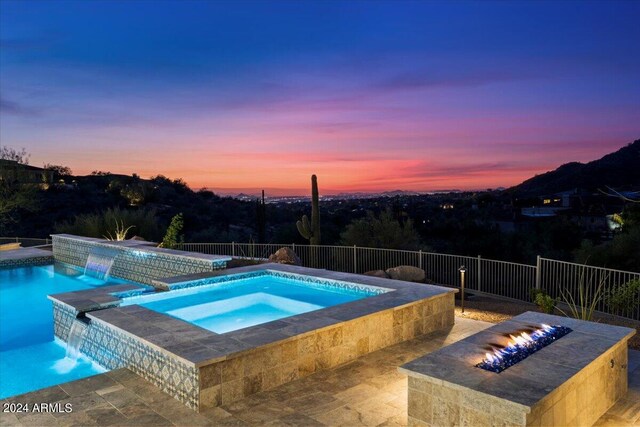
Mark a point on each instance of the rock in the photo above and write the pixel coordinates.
(377, 273)
(285, 256)
(406, 273)
(138, 238)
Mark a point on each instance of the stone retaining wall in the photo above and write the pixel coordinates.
(267, 367)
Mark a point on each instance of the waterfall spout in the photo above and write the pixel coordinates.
(100, 262)
(75, 339)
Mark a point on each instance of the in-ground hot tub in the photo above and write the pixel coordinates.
(250, 299)
(170, 338)
(574, 378)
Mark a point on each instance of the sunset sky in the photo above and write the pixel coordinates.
(367, 95)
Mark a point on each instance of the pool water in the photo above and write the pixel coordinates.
(30, 357)
(229, 306)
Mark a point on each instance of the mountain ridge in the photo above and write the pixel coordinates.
(618, 169)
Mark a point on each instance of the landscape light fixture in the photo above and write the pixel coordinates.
(462, 270)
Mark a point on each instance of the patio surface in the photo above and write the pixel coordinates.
(366, 392)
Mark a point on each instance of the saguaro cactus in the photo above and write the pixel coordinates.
(311, 230)
(261, 219)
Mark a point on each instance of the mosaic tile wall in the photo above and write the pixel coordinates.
(228, 280)
(114, 349)
(309, 281)
(270, 366)
(63, 317)
(133, 264)
(320, 283)
(26, 262)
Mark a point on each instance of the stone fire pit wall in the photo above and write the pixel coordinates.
(573, 381)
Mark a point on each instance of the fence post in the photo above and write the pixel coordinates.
(420, 259)
(293, 247)
(355, 259)
(538, 272)
(233, 248)
(479, 273)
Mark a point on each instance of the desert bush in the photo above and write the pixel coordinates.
(543, 300)
(624, 298)
(383, 231)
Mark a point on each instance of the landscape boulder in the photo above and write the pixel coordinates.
(407, 273)
(377, 273)
(285, 256)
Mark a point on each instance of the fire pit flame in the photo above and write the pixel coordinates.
(522, 346)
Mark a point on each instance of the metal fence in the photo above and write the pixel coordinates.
(25, 241)
(502, 278)
(558, 277)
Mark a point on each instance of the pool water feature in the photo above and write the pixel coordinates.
(244, 302)
(74, 341)
(30, 358)
(100, 262)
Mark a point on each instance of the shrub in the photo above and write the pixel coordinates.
(546, 303)
(543, 300)
(173, 237)
(623, 298)
(383, 231)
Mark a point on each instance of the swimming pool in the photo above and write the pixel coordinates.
(239, 302)
(30, 357)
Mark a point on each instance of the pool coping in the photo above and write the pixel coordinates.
(25, 257)
(198, 347)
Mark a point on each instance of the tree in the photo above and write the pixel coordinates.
(383, 231)
(137, 192)
(21, 156)
(15, 198)
(623, 251)
(58, 170)
(174, 236)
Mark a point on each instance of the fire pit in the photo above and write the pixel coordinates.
(535, 369)
(522, 346)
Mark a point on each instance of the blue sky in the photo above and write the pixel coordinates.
(368, 95)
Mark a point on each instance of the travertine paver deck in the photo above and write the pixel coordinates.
(367, 392)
